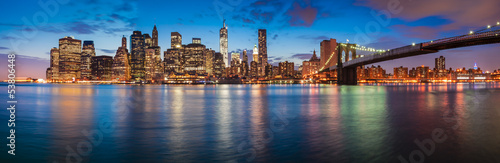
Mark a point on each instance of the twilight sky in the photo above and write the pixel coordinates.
(295, 27)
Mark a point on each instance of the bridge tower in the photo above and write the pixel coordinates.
(346, 75)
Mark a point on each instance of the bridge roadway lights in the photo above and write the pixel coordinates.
(347, 76)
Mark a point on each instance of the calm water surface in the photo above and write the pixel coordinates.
(256, 123)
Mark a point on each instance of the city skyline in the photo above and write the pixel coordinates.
(301, 35)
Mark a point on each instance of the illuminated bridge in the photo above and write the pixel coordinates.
(346, 69)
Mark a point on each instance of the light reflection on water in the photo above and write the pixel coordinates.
(265, 123)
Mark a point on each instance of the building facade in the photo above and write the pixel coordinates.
(88, 51)
(102, 68)
(262, 51)
(70, 51)
(223, 44)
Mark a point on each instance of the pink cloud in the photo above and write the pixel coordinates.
(462, 13)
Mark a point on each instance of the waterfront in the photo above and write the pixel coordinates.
(264, 123)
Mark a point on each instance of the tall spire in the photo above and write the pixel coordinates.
(124, 42)
(155, 35)
(224, 23)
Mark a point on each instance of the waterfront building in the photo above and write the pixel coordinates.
(422, 72)
(311, 66)
(328, 54)
(121, 63)
(88, 51)
(193, 58)
(102, 68)
(70, 51)
(286, 69)
(400, 72)
(137, 56)
(52, 73)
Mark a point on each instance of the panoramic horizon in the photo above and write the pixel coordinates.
(294, 28)
(401, 81)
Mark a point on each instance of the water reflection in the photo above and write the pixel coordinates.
(258, 123)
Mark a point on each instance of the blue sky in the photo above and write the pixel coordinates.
(295, 27)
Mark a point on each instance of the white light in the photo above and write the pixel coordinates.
(489, 26)
(413, 44)
(498, 23)
(471, 32)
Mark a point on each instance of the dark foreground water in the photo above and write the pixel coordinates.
(256, 123)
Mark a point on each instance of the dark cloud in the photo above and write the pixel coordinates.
(301, 56)
(281, 13)
(422, 32)
(462, 13)
(315, 39)
(10, 25)
(302, 16)
(3, 48)
(275, 36)
(108, 51)
(81, 28)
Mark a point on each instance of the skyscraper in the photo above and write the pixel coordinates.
(244, 64)
(175, 40)
(121, 63)
(223, 44)
(262, 51)
(70, 50)
(148, 41)
(193, 58)
(88, 51)
(137, 55)
(235, 59)
(440, 63)
(328, 54)
(440, 68)
(102, 68)
(155, 36)
(53, 71)
(255, 55)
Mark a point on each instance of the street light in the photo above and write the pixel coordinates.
(471, 32)
(489, 26)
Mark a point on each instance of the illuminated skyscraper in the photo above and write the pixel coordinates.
(155, 36)
(193, 58)
(440, 63)
(235, 59)
(175, 40)
(88, 51)
(121, 63)
(148, 41)
(244, 64)
(328, 54)
(53, 71)
(70, 51)
(137, 56)
(102, 68)
(263, 51)
(223, 47)
(440, 67)
(255, 54)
